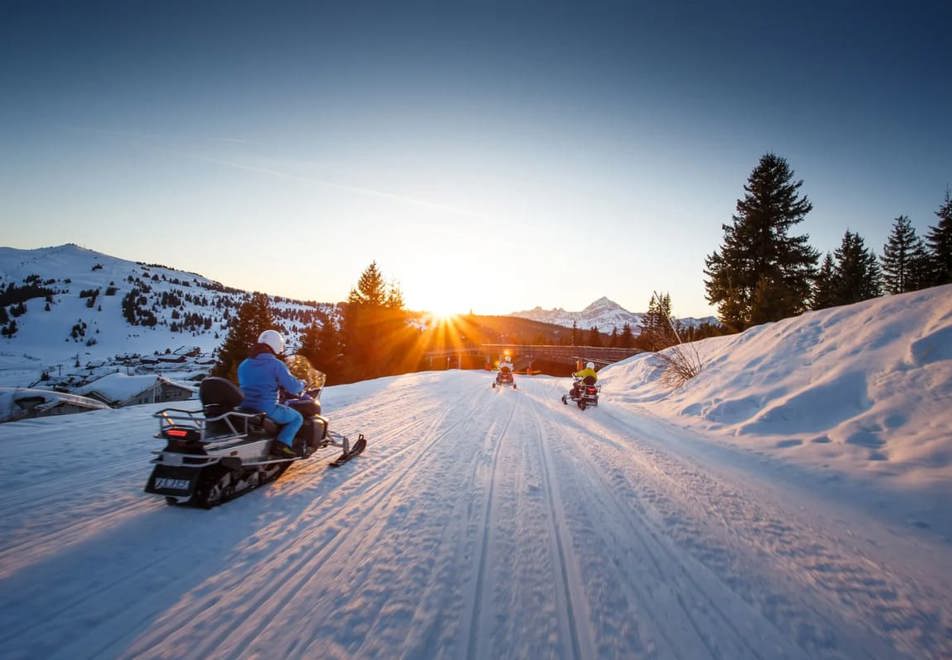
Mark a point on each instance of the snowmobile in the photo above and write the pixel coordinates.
(221, 451)
(584, 392)
(504, 377)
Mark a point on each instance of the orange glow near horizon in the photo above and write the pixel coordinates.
(439, 316)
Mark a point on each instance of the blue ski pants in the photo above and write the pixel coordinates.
(290, 421)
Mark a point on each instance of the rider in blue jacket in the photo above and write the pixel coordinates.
(259, 378)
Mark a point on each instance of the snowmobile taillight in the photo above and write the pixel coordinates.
(178, 436)
(590, 390)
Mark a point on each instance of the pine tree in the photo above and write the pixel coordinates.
(823, 286)
(311, 343)
(613, 338)
(594, 338)
(370, 288)
(394, 297)
(897, 258)
(939, 242)
(857, 272)
(254, 317)
(627, 339)
(761, 273)
(920, 267)
(576, 334)
(376, 339)
(656, 326)
(328, 359)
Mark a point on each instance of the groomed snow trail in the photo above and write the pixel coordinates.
(479, 523)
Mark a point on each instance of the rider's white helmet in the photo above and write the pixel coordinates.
(273, 340)
(589, 365)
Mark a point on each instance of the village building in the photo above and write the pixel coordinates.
(119, 390)
(23, 402)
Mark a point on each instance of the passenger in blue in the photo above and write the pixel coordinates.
(259, 377)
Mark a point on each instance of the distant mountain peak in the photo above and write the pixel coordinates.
(603, 313)
(603, 303)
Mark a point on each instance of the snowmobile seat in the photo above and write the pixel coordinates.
(218, 396)
(589, 380)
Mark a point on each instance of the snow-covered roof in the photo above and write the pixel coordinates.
(117, 387)
(10, 395)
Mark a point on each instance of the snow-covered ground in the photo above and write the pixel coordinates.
(478, 523)
(853, 394)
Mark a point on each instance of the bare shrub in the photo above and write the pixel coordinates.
(681, 361)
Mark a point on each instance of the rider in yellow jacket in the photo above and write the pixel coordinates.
(589, 370)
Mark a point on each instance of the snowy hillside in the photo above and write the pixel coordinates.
(479, 523)
(603, 313)
(863, 388)
(71, 304)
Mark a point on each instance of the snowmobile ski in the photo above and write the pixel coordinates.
(358, 447)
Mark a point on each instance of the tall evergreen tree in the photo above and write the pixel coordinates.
(761, 272)
(939, 242)
(627, 339)
(920, 267)
(311, 344)
(576, 334)
(370, 288)
(254, 317)
(375, 336)
(613, 338)
(657, 327)
(857, 271)
(328, 357)
(824, 286)
(594, 338)
(898, 257)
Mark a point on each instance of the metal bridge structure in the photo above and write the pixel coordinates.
(523, 355)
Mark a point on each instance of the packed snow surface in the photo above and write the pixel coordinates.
(479, 523)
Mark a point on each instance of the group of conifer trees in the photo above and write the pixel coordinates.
(623, 339)
(369, 337)
(763, 272)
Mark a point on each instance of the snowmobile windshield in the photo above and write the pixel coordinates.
(300, 367)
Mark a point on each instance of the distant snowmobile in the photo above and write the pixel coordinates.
(504, 376)
(219, 452)
(584, 392)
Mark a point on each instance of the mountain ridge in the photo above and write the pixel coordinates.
(603, 313)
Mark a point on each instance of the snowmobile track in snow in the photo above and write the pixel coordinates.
(477, 606)
(302, 571)
(473, 526)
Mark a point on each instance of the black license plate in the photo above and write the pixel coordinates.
(169, 480)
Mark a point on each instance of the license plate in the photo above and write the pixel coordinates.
(166, 480)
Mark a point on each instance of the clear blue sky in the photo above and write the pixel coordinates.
(490, 156)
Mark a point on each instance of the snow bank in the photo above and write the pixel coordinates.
(860, 387)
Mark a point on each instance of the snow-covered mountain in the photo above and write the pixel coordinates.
(604, 313)
(68, 303)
